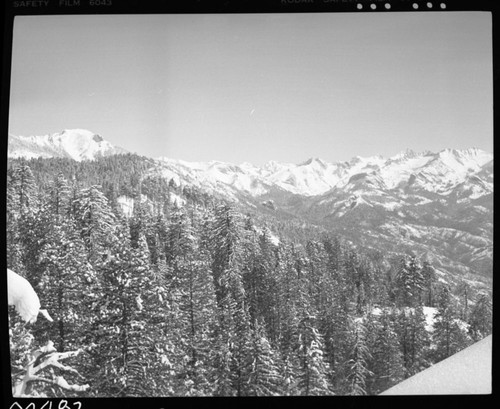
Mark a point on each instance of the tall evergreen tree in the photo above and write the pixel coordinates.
(22, 190)
(358, 364)
(386, 364)
(233, 334)
(95, 220)
(429, 277)
(449, 336)
(409, 282)
(264, 374)
(480, 319)
(417, 358)
(125, 351)
(192, 282)
(66, 284)
(312, 369)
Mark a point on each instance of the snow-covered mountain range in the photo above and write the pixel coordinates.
(433, 172)
(77, 144)
(437, 205)
(468, 170)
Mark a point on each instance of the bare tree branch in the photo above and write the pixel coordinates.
(51, 360)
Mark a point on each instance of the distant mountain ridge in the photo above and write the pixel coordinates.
(439, 172)
(77, 144)
(434, 172)
(438, 206)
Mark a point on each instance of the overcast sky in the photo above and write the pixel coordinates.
(254, 87)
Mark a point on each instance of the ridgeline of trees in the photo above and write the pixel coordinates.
(203, 300)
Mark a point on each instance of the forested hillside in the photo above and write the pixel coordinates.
(190, 296)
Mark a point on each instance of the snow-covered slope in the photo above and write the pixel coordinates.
(466, 372)
(432, 172)
(77, 144)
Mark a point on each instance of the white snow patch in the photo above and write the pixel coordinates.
(391, 205)
(274, 239)
(466, 372)
(430, 315)
(176, 200)
(126, 205)
(22, 296)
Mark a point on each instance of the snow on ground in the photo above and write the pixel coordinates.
(481, 209)
(391, 205)
(423, 201)
(360, 200)
(126, 205)
(461, 324)
(430, 314)
(177, 200)
(272, 237)
(466, 372)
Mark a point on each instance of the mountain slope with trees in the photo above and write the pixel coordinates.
(190, 295)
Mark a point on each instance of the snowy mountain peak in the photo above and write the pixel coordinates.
(77, 144)
(273, 166)
(470, 154)
(405, 155)
(78, 132)
(433, 172)
(314, 162)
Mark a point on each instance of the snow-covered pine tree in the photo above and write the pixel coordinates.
(409, 282)
(449, 334)
(67, 284)
(253, 267)
(162, 306)
(358, 363)
(124, 349)
(139, 333)
(95, 221)
(480, 319)
(233, 329)
(312, 371)
(14, 247)
(417, 358)
(192, 282)
(264, 377)
(23, 189)
(387, 361)
(351, 268)
(263, 297)
(333, 316)
(429, 277)
(464, 292)
(317, 259)
(226, 251)
(59, 197)
(34, 229)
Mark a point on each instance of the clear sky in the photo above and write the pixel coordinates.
(255, 87)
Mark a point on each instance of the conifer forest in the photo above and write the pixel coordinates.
(200, 297)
